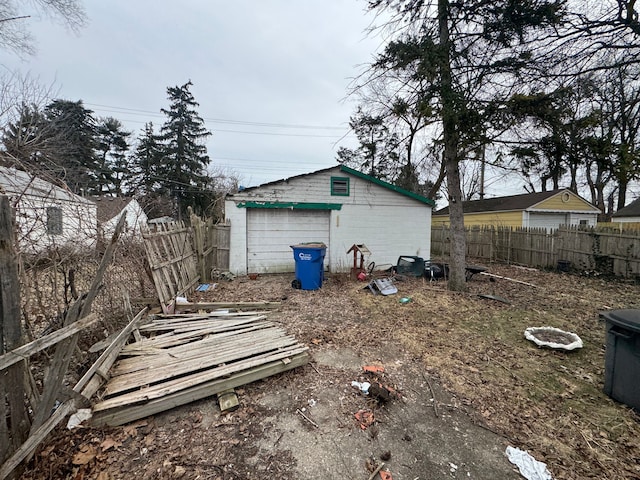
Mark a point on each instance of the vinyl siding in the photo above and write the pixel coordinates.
(496, 219)
(555, 203)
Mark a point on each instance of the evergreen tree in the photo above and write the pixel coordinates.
(182, 171)
(112, 144)
(71, 145)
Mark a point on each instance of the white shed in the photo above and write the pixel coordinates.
(47, 216)
(110, 209)
(338, 206)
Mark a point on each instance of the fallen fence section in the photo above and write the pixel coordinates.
(187, 357)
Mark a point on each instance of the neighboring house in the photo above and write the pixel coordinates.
(540, 210)
(338, 206)
(47, 216)
(628, 214)
(110, 209)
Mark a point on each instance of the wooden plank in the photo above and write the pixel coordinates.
(129, 413)
(162, 369)
(239, 305)
(108, 357)
(173, 386)
(25, 351)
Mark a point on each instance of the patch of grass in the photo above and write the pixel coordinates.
(545, 401)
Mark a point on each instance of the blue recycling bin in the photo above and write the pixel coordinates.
(309, 258)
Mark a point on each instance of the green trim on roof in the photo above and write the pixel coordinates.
(291, 205)
(384, 184)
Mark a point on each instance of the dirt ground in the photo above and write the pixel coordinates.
(466, 385)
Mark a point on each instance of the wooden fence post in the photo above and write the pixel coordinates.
(12, 383)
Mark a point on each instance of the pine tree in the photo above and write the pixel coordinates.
(183, 167)
(112, 143)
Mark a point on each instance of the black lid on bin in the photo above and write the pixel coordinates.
(628, 318)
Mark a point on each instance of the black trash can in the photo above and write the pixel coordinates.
(622, 357)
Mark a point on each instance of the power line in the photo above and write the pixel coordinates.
(135, 111)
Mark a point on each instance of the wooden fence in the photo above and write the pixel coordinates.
(180, 256)
(602, 251)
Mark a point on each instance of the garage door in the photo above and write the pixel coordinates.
(270, 232)
(550, 221)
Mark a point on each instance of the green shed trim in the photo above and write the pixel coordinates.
(384, 184)
(291, 205)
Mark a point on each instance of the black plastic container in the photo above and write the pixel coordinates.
(622, 357)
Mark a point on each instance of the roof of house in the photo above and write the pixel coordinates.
(110, 207)
(631, 210)
(18, 182)
(503, 204)
(358, 174)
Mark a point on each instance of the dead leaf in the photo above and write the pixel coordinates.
(103, 476)
(84, 456)
(109, 443)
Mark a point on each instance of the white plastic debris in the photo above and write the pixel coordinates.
(363, 387)
(532, 334)
(77, 418)
(181, 301)
(529, 467)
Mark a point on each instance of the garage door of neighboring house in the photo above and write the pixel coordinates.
(550, 221)
(271, 232)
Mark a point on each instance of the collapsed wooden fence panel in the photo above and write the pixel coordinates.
(603, 251)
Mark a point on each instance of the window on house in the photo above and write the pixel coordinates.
(340, 186)
(584, 222)
(54, 221)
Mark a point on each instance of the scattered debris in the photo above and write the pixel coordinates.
(228, 401)
(553, 338)
(376, 471)
(383, 286)
(365, 418)
(507, 278)
(373, 369)
(497, 298)
(301, 413)
(529, 467)
(82, 415)
(205, 287)
(362, 386)
(404, 300)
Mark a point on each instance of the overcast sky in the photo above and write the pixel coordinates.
(270, 76)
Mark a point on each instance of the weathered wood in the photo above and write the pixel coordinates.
(239, 305)
(173, 386)
(12, 387)
(129, 413)
(108, 357)
(25, 351)
(80, 309)
(167, 367)
(228, 400)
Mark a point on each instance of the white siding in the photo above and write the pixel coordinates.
(271, 232)
(389, 223)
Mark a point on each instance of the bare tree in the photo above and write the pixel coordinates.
(15, 16)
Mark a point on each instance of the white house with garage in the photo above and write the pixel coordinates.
(338, 206)
(47, 215)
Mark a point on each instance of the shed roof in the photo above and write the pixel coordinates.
(503, 204)
(17, 182)
(109, 207)
(358, 174)
(631, 210)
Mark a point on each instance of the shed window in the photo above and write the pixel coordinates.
(340, 186)
(584, 222)
(54, 220)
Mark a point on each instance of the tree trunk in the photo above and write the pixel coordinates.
(457, 261)
(11, 381)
